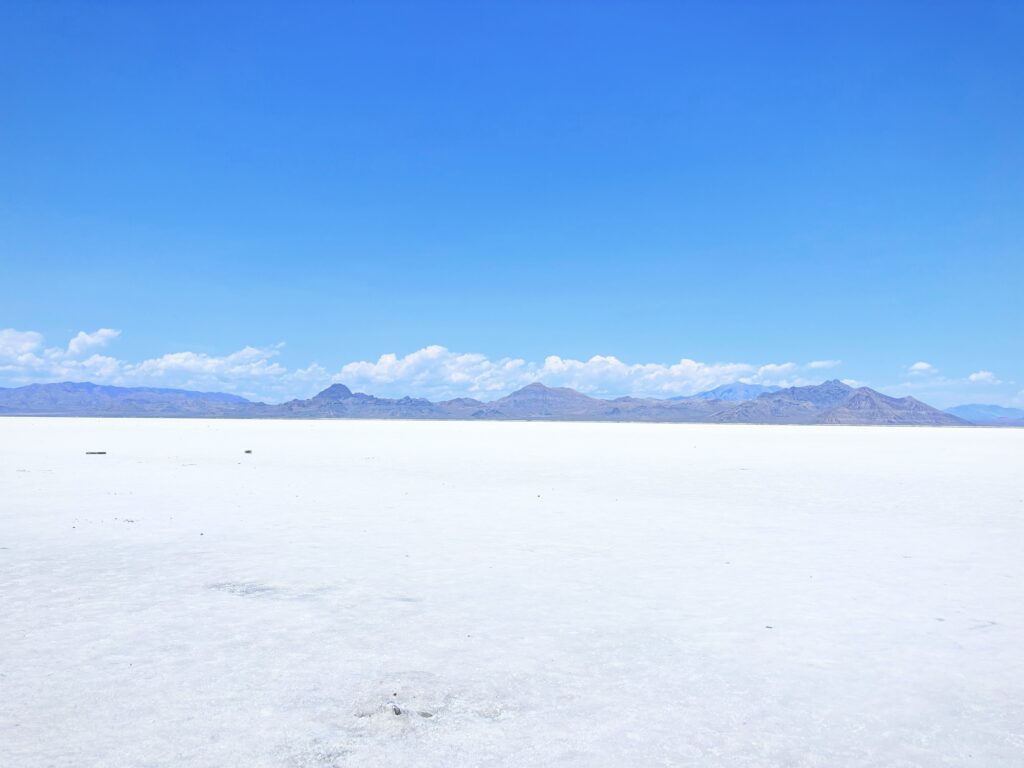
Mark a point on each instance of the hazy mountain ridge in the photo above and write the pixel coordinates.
(831, 402)
(738, 390)
(989, 415)
(87, 399)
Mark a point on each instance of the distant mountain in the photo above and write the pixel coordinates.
(795, 405)
(340, 402)
(335, 393)
(85, 399)
(735, 391)
(829, 403)
(866, 406)
(989, 415)
(834, 402)
(538, 401)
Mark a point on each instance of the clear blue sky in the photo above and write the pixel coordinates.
(723, 182)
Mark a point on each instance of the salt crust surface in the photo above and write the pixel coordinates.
(509, 594)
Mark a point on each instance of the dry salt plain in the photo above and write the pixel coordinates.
(509, 594)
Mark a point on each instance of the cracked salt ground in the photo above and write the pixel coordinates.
(400, 715)
(422, 695)
(242, 588)
(318, 754)
(255, 589)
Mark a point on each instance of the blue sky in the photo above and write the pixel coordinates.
(264, 198)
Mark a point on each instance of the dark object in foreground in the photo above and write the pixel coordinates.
(248, 451)
(95, 453)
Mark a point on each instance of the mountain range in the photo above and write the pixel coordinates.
(831, 402)
(85, 399)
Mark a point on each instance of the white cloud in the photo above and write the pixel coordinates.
(250, 370)
(23, 358)
(819, 364)
(245, 363)
(983, 377)
(14, 344)
(774, 373)
(438, 372)
(85, 341)
(434, 371)
(921, 368)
